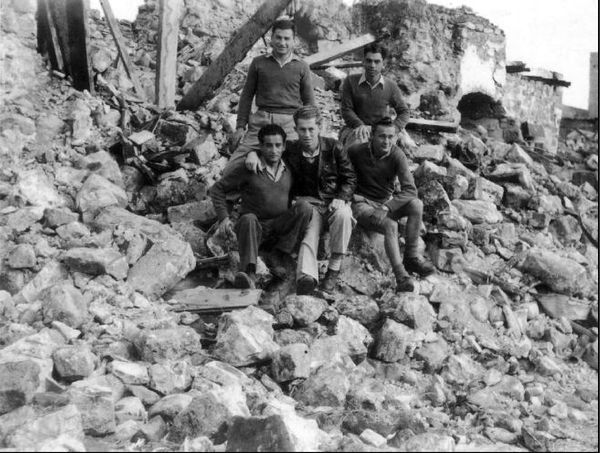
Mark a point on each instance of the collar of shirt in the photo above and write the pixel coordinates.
(286, 61)
(263, 168)
(363, 79)
(380, 157)
(314, 154)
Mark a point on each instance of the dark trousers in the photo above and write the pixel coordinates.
(283, 232)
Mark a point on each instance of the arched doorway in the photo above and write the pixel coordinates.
(480, 109)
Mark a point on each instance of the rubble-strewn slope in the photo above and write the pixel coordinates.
(103, 212)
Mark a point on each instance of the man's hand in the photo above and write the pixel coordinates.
(226, 227)
(362, 133)
(252, 161)
(236, 138)
(336, 203)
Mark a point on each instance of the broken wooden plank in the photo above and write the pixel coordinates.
(320, 58)
(113, 26)
(432, 125)
(166, 57)
(48, 37)
(203, 299)
(79, 40)
(58, 13)
(340, 65)
(234, 52)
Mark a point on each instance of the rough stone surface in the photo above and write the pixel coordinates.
(393, 341)
(291, 362)
(97, 261)
(96, 406)
(74, 362)
(259, 434)
(98, 192)
(411, 309)
(64, 303)
(168, 344)
(304, 309)
(170, 377)
(22, 256)
(18, 381)
(327, 386)
(478, 211)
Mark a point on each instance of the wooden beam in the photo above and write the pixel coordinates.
(166, 60)
(234, 52)
(342, 65)
(113, 25)
(432, 125)
(203, 299)
(58, 13)
(321, 58)
(47, 36)
(80, 64)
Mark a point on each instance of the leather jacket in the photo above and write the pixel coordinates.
(337, 178)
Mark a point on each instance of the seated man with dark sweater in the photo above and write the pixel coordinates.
(369, 97)
(265, 212)
(377, 164)
(323, 176)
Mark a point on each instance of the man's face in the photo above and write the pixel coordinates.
(308, 133)
(271, 149)
(383, 139)
(373, 64)
(282, 42)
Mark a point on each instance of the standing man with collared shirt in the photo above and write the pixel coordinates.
(377, 164)
(265, 212)
(324, 177)
(280, 83)
(368, 97)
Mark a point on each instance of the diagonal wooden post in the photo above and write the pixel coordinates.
(166, 68)
(234, 52)
(113, 25)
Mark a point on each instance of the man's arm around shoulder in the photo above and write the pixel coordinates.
(232, 180)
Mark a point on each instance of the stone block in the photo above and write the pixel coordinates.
(369, 245)
(170, 377)
(202, 212)
(354, 336)
(478, 211)
(433, 153)
(130, 372)
(37, 189)
(203, 149)
(74, 362)
(103, 164)
(56, 217)
(130, 408)
(19, 379)
(304, 309)
(360, 308)
(566, 230)
(97, 261)
(327, 386)
(433, 354)
(434, 198)
(456, 186)
(65, 303)
(259, 434)
(171, 405)
(428, 171)
(22, 257)
(561, 274)
(98, 192)
(291, 362)
(411, 309)
(393, 341)
(96, 406)
(168, 344)
(461, 369)
(452, 220)
(485, 190)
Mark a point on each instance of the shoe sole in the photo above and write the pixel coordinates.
(305, 287)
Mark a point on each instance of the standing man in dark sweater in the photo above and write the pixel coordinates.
(279, 83)
(265, 213)
(377, 164)
(324, 177)
(369, 97)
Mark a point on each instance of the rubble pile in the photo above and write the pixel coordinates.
(104, 216)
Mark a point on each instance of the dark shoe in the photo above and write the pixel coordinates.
(404, 284)
(419, 265)
(305, 285)
(243, 280)
(276, 261)
(330, 280)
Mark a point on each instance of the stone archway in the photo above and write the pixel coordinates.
(480, 109)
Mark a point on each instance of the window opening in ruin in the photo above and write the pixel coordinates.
(479, 109)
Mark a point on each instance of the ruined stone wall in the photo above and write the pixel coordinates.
(438, 54)
(536, 102)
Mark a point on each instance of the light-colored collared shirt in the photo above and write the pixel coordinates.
(314, 154)
(286, 61)
(274, 175)
(363, 79)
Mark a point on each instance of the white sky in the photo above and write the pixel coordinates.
(552, 34)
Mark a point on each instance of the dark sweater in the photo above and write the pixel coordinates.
(260, 194)
(277, 89)
(362, 105)
(376, 177)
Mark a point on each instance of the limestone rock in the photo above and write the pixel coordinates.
(393, 341)
(304, 309)
(291, 362)
(360, 308)
(103, 164)
(96, 406)
(130, 372)
(37, 189)
(168, 344)
(478, 211)
(65, 303)
(130, 408)
(461, 369)
(429, 442)
(434, 354)
(50, 274)
(170, 377)
(327, 386)
(18, 381)
(434, 198)
(98, 192)
(259, 434)
(434, 153)
(74, 362)
(165, 264)
(411, 309)
(202, 212)
(22, 256)
(97, 261)
(171, 405)
(245, 337)
(356, 337)
(561, 274)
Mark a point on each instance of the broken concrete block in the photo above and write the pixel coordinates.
(370, 437)
(393, 341)
(478, 211)
(411, 309)
(168, 344)
(165, 264)
(304, 309)
(153, 431)
(74, 362)
(170, 377)
(96, 406)
(65, 303)
(327, 386)
(245, 337)
(97, 261)
(515, 173)
(130, 372)
(259, 434)
(561, 274)
(22, 256)
(98, 192)
(291, 362)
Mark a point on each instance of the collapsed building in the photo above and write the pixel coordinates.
(118, 329)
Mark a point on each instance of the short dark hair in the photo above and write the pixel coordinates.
(376, 47)
(307, 112)
(284, 24)
(386, 121)
(271, 129)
